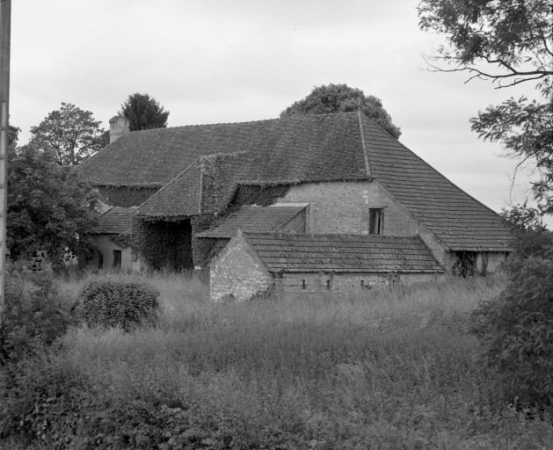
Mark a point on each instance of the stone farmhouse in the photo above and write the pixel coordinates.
(270, 191)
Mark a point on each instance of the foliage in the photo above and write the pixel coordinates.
(394, 370)
(164, 244)
(70, 134)
(49, 208)
(526, 131)
(35, 316)
(334, 98)
(144, 112)
(507, 42)
(524, 218)
(511, 36)
(517, 326)
(119, 304)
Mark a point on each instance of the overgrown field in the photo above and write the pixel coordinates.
(394, 369)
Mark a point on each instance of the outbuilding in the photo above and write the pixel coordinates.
(258, 264)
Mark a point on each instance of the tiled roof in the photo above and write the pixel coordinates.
(117, 220)
(459, 221)
(254, 219)
(178, 198)
(296, 149)
(342, 253)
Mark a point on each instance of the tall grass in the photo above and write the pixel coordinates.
(391, 369)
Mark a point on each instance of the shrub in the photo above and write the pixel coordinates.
(43, 402)
(35, 316)
(517, 326)
(119, 304)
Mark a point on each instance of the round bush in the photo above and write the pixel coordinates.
(119, 304)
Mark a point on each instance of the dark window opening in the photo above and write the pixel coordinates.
(376, 220)
(328, 284)
(465, 266)
(117, 259)
(362, 283)
(100, 260)
(303, 285)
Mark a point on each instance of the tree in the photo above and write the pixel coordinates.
(144, 112)
(342, 98)
(49, 208)
(70, 134)
(507, 42)
(524, 218)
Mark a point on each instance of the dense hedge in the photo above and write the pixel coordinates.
(36, 315)
(119, 304)
(517, 326)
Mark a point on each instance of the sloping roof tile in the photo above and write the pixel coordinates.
(342, 253)
(178, 198)
(296, 149)
(117, 220)
(254, 219)
(459, 221)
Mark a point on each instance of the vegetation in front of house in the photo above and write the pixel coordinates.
(394, 369)
(516, 327)
(114, 303)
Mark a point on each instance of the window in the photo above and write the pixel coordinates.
(116, 259)
(328, 284)
(303, 284)
(376, 220)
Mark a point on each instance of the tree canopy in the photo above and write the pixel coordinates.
(144, 112)
(507, 42)
(333, 98)
(70, 134)
(49, 208)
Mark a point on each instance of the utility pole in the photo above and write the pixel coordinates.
(5, 38)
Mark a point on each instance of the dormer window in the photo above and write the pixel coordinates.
(376, 220)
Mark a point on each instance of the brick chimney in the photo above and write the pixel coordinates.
(118, 127)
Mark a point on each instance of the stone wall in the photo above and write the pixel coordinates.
(343, 207)
(291, 285)
(237, 273)
(129, 260)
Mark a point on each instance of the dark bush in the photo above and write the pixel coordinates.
(119, 304)
(516, 328)
(35, 315)
(43, 401)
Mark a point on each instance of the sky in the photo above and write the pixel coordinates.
(214, 61)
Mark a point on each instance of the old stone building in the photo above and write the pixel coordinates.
(194, 186)
(257, 264)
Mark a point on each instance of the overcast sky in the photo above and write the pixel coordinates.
(211, 61)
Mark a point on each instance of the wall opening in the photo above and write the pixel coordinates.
(303, 284)
(117, 256)
(376, 220)
(465, 265)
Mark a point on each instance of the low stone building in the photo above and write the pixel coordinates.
(257, 264)
(113, 241)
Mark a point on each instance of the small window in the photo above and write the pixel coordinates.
(100, 260)
(328, 284)
(376, 220)
(362, 283)
(303, 285)
(116, 259)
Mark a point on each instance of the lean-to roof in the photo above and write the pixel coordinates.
(340, 253)
(254, 219)
(117, 220)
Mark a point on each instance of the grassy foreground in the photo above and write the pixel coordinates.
(394, 369)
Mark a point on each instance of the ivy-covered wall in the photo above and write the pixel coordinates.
(126, 196)
(164, 244)
(204, 249)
